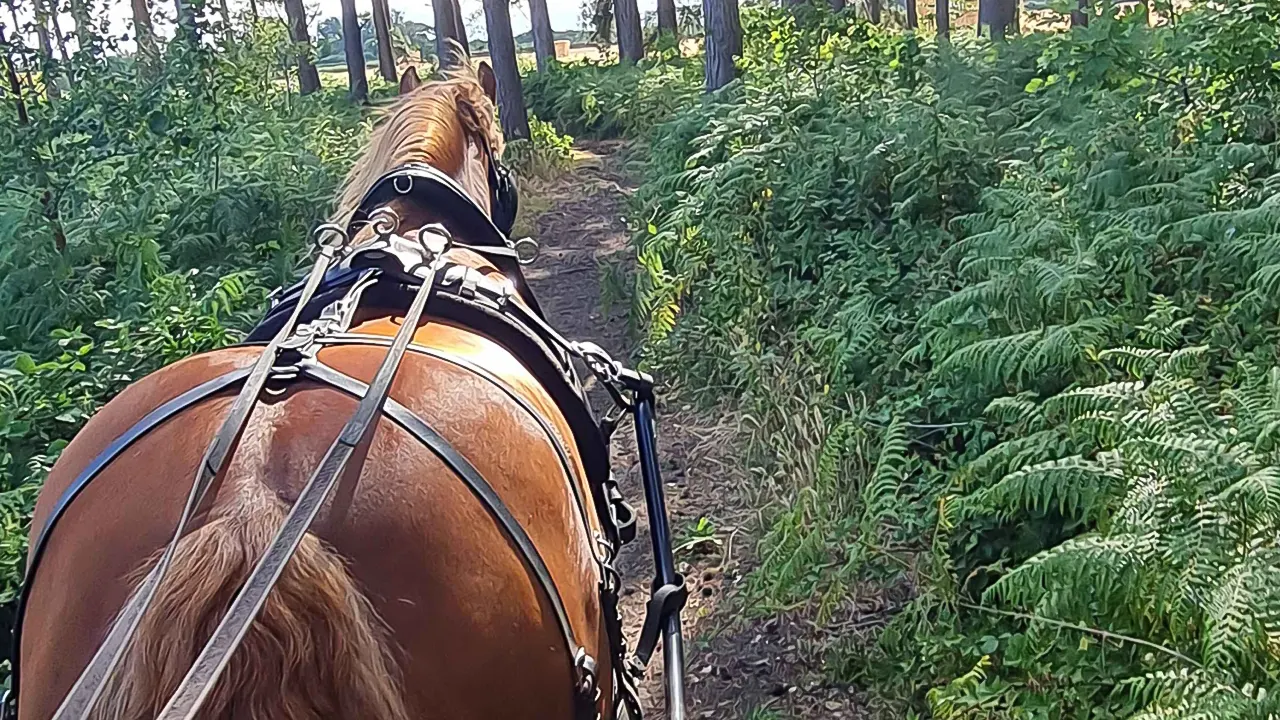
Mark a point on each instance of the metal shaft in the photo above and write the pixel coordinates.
(660, 532)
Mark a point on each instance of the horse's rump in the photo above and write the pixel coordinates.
(468, 593)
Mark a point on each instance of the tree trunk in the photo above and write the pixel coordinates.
(253, 10)
(84, 34)
(382, 29)
(225, 12)
(60, 37)
(308, 78)
(1080, 16)
(942, 12)
(667, 18)
(354, 48)
(447, 24)
(186, 15)
(630, 37)
(998, 15)
(51, 89)
(838, 5)
(144, 33)
(461, 28)
(913, 19)
(873, 11)
(544, 40)
(15, 85)
(723, 40)
(46, 51)
(502, 51)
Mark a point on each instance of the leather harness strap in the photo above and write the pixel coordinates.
(553, 437)
(88, 687)
(455, 461)
(515, 326)
(148, 423)
(402, 416)
(187, 700)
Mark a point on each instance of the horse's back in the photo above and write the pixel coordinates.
(452, 590)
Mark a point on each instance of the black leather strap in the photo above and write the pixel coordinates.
(466, 220)
(188, 698)
(148, 423)
(463, 468)
(79, 702)
(434, 189)
(664, 601)
(553, 437)
(505, 325)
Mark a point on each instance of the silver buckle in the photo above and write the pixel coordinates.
(527, 250)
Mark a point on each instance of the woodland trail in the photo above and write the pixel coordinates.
(738, 667)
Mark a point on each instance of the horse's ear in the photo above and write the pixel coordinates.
(488, 81)
(409, 81)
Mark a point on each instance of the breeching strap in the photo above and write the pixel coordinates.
(88, 687)
(194, 688)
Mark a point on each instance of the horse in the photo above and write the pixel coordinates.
(406, 598)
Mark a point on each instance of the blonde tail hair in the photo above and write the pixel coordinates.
(316, 652)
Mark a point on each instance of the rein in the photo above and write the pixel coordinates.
(421, 265)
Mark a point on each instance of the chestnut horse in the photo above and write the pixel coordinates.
(405, 599)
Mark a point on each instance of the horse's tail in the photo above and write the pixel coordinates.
(316, 651)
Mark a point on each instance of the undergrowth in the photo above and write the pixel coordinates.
(144, 217)
(1003, 321)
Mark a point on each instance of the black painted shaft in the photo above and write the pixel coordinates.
(663, 560)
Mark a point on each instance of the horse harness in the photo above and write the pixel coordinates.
(411, 274)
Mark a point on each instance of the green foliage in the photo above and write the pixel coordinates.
(590, 99)
(544, 155)
(1001, 319)
(144, 216)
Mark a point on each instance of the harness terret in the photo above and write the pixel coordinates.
(399, 273)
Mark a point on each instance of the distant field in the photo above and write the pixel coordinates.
(339, 70)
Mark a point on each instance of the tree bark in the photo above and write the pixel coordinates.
(253, 10)
(84, 34)
(461, 27)
(502, 52)
(447, 24)
(873, 11)
(913, 19)
(354, 49)
(723, 41)
(225, 11)
(308, 78)
(544, 40)
(630, 37)
(144, 33)
(1080, 16)
(838, 5)
(46, 51)
(382, 29)
(186, 19)
(942, 13)
(15, 85)
(61, 38)
(999, 15)
(667, 22)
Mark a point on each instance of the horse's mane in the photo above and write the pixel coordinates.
(423, 126)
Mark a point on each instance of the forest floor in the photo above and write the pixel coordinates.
(739, 665)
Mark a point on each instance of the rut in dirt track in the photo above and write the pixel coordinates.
(737, 667)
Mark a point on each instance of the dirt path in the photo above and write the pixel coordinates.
(582, 234)
(738, 667)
